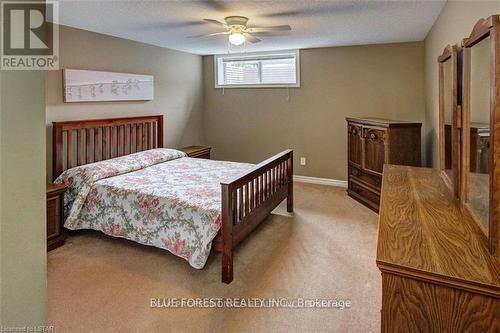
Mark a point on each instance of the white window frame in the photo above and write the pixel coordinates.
(256, 55)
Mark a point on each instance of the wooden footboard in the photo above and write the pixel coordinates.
(248, 199)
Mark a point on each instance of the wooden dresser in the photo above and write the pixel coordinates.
(372, 142)
(437, 273)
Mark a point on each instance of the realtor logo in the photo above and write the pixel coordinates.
(30, 35)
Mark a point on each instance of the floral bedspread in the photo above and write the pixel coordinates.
(157, 197)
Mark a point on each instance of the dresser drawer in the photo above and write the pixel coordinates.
(374, 149)
(367, 178)
(54, 204)
(53, 217)
(365, 194)
(205, 155)
(354, 144)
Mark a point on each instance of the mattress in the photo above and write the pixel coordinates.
(159, 198)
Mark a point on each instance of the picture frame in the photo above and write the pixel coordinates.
(98, 86)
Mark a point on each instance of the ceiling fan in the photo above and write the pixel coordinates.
(238, 31)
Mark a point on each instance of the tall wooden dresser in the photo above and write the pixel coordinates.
(373, 142)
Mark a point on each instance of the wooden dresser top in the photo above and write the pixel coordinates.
(384, 122)
(424, 233)
(54, 189)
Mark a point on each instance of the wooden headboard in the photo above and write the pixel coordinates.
(87, 141)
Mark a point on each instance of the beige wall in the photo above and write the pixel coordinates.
(178, 91)
(454, 23)
(23, 278)
(376, 80)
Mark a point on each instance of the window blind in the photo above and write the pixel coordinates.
(241, 72)
(257, 70)
(278, 70)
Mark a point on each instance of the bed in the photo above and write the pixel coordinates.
(122, 182)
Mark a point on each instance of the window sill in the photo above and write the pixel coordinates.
(258, 86)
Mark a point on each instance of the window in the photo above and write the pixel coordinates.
(253, 70)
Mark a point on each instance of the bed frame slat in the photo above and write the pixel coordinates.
(149, 136)
(129, 138)
(103, 143)
(155, 133)
(124, 140)
(87, 145)
(78, 147)
(119, 140)
(69, 146)
(111, 142)
(247, 199)
(96, 144)
(137, 138)
(143, 137)
(240, 203)
(261, 188)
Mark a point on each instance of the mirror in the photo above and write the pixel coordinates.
(480, 168)
(478, 190)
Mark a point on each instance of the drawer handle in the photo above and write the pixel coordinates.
(355, 172)
(373, 136)
(354, 132)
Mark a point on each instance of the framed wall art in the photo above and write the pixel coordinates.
(97, 86)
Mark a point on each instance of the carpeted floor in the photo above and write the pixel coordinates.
(326, 250)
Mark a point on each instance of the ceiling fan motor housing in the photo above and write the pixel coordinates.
(239, 21)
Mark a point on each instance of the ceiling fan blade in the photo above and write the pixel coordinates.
(288, 13)
(270, 33)
(273, 28)
(250, 38)
(173, 25)
(210, 35)
(148, 26)
(219, 6)
(329, 8)
(219, 23)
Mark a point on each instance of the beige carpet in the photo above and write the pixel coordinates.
(326, 251)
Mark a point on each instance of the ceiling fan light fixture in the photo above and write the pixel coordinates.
(236, 38)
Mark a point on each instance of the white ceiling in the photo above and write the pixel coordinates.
(314, 23)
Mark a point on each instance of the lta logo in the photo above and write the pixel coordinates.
(30, 35)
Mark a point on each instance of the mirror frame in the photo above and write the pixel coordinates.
(484, 28)
(450, 53)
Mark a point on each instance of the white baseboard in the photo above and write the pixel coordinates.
(320, 181)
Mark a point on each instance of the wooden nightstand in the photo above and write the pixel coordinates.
(197, 151)
(55, 207)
